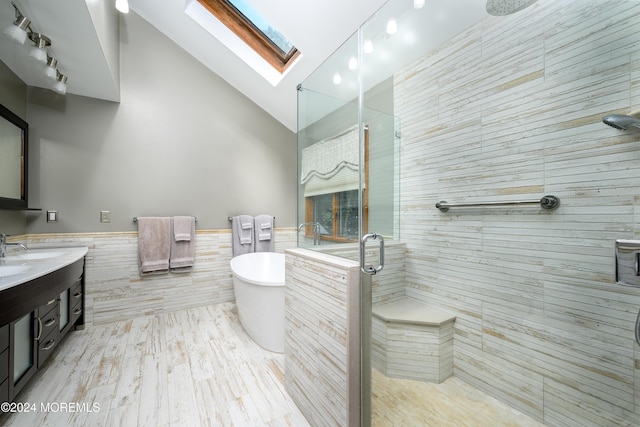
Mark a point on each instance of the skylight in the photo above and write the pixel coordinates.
(246, 33)
(263, 25)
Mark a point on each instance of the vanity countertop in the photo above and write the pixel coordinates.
(37, 263)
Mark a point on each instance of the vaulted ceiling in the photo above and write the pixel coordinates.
(85, 35)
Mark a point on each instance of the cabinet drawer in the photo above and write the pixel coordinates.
(76, 293)
(49, 322)
(4, 365)
(76, 312)
(44, 309)
(46, 346)
(4, 337)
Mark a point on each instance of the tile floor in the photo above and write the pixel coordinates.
(197, 367)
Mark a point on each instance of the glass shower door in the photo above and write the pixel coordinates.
(348, 172)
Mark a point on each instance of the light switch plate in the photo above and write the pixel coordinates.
(105, 216)
(52, 216)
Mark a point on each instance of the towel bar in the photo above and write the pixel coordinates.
(135, 218)
(230, 218)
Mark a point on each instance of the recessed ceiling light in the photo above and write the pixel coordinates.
(392, 26)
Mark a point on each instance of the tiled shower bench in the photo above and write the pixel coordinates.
(412, 340)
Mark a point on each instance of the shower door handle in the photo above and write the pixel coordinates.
(371, 270)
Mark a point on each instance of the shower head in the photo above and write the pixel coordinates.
(621, 121)
(507, 7)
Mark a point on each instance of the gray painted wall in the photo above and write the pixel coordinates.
(181, 141)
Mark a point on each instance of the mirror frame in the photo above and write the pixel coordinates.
(22, 202)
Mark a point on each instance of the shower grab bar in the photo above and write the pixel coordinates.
(546, 202)
(135, 219)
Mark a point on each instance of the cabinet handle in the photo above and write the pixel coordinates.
(49, 322)
(77, 295)
(49, 344)
(77, 311)
(39, 328)
(52, 301)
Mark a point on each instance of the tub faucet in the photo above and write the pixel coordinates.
(316, 231)
(4, 244)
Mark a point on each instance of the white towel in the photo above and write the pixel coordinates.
(263, 233)
(242, 234)
(154, 243)
(183, 247)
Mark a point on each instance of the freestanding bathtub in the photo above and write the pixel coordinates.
(258, 283)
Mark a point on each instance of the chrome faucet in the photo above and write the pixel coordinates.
(316, 231)
(4, 244)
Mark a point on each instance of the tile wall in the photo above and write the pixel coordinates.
(511, 109)
(115, 291)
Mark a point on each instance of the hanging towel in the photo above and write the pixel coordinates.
(183, 244)
(154, 235)
(241, 234)
(263, 233)
(183, 228)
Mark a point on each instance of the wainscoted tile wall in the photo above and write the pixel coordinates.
(511, 109)
(115, 291)
(322, 343)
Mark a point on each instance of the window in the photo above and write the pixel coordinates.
(334, 203)
(248, 25)
(336, 213)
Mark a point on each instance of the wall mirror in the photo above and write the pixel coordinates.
(14, 141)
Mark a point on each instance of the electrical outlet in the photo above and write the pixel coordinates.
(105, 216)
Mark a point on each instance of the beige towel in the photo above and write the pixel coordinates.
(183, 228)
(154, 244)
(183, 244)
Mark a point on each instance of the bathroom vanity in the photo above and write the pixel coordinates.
(41, 300)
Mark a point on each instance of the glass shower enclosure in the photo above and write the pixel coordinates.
(348, 164)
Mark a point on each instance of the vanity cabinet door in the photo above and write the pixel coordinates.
(22, 352)
(4, 364)
(65, 312)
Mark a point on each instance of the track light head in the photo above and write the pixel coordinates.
(38, 51)
(60, 86)
(18, 30)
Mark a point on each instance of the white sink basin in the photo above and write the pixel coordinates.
(35, 255)
(12, 270)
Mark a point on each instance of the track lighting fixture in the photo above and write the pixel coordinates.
(20, 30)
